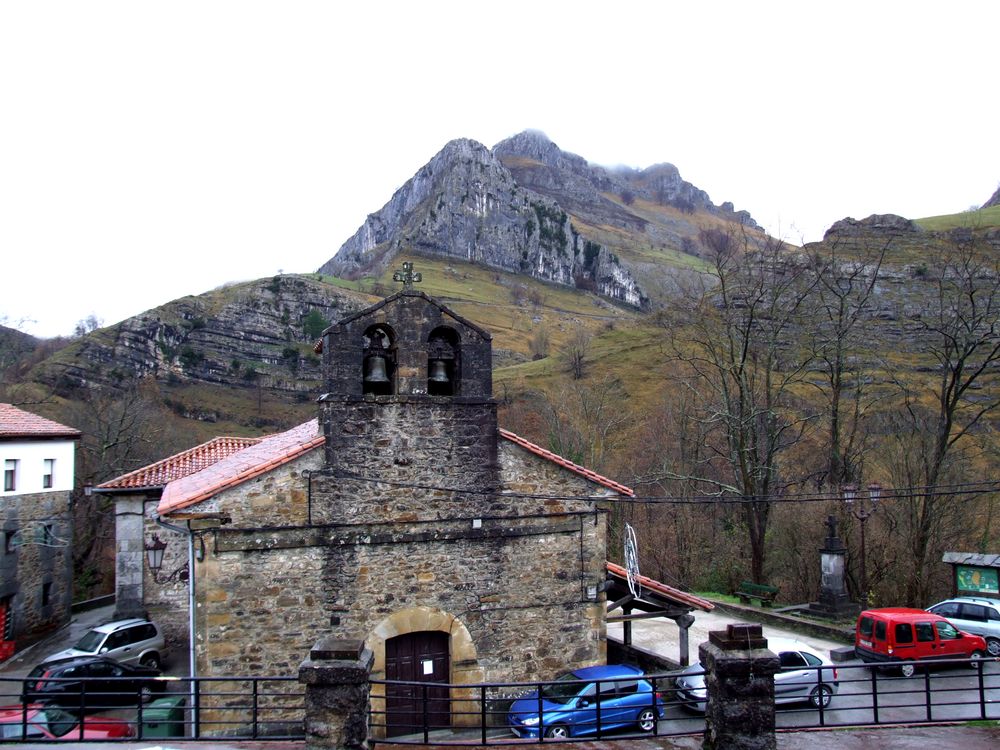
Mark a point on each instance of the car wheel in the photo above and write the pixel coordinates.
(993, 646)
(821, 696)
(557, 732)
(646, 720)
(907, 669)
(975, 657)
(150, 660)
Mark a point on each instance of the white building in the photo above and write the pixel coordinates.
(36, 562)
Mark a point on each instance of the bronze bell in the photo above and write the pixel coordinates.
(375, 370)
(438, 371)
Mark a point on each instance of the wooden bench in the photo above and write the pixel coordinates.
(760, 591)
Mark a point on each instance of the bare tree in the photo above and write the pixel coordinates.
(575, 352)
(841, 315)
(958, 328)
(736, 334)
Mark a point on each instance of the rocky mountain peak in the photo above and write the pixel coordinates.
(994, 200)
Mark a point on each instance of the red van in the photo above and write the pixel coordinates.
(900, 637)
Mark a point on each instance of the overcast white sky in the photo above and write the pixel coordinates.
(153, 150)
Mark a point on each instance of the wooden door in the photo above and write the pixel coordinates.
(422, 658)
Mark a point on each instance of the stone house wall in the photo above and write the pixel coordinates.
(37, 573)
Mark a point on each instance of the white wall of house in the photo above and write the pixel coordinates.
(32, 457)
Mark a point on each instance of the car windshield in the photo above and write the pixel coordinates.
(90, 641)
(562, 690)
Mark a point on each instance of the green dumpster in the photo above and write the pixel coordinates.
(164, 717)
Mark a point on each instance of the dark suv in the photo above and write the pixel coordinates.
(91, 683)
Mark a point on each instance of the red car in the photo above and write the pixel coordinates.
(52, 723)
(902, 637)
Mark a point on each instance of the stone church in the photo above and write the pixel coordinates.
(404, 517)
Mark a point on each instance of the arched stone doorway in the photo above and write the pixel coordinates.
(413, 644)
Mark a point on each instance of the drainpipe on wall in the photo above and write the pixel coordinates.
(192, 665)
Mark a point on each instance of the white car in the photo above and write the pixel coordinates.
(804, 676)
(134, 642)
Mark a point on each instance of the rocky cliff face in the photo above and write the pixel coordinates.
(994, 200)
(466, 204)
(258, 333)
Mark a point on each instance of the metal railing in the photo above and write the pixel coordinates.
(941, 692)
(85, 709)
(257, 708)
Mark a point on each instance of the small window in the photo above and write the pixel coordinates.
(117, 640)
(791, 660)
(880, 629)
(866, 627)
(925, 632)
(9, 548)
(814, 661)
(627, 687)
(48, 472)
(948, 609)
(10, 475)
(992, 614)
(904, 632)
(947, 631)
(974, 612)
(46, 594)
(45, 535)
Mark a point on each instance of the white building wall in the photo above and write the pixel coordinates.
(30, 456)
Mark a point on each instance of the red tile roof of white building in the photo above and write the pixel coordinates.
(191, 461)
(18, 423)
(268, 453)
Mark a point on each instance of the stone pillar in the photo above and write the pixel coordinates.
(739, 714)
(336, 677)
(684, 623)
(130, 557)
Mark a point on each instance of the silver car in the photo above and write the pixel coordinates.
(804, 676)
(134, 641)
(974, 614)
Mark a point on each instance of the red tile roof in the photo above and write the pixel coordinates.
(663, 589)
(158, 475)
(593, 476)
(268, 453)
(18, 423)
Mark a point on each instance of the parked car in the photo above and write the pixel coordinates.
(53, 723)
(974, 614)
(569, 706)
(134, 641)
(901, 637)
(805, 676)
(91, 683)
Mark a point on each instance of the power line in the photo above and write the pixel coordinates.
(952, 490)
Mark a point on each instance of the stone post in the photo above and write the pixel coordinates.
(336, 677)
(739, 714)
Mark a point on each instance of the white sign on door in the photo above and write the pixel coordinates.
(428, 665)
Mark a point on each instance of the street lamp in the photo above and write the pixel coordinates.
(862, 511)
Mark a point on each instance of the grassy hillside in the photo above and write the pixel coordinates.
(982, 218)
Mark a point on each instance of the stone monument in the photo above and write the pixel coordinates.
(834, 603)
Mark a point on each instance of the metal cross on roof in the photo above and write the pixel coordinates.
(406, 275)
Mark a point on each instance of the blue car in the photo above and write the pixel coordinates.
(577, 703)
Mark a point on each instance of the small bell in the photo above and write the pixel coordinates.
(375, 370)
(438, 371)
